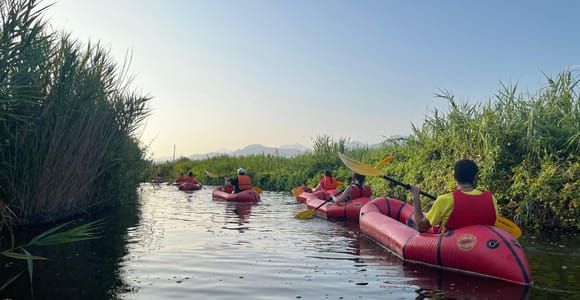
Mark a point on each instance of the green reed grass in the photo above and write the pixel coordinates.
(67, 122)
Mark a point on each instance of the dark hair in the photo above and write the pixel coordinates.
(465, 171)
(328, 173)
(190, 174)
(358, 178)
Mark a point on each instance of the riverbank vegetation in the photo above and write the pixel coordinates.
(527, 147)
(68, 118)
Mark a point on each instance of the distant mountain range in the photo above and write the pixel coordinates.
(256, 149)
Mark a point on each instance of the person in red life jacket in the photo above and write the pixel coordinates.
(465, 206)
(327, 182)
(190, 178)
(356, 189)
(241, 182)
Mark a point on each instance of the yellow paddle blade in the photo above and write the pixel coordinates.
(297, 191)
(257, 189)
(358, 167)
(508, 226)
(212, 175)
(384, 161)
(305, 214)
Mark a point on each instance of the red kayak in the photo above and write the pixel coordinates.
(344, 211)
(480, 249)
(189, 186)
(244, 196)
(308, 193)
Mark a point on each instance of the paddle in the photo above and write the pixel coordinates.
(366, 170)
(213, 175)
(309, 213)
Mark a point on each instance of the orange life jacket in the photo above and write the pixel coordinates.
(471, 210)
(244, 182)
(189, 179)
(328, 183)
(357, 193)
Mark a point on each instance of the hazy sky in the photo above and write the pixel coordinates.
(225, 74)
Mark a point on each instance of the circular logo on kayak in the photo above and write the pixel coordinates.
(466, 242)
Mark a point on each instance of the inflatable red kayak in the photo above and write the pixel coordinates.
(324, 195)
(343, 211)
(481, 250)
(189, 186)
(243, 196)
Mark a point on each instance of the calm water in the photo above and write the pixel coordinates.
(185, 246)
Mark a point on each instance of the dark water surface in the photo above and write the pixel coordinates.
(185, 246)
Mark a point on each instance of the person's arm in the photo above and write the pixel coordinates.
(421, 222)
(317, 188)
(342, 197)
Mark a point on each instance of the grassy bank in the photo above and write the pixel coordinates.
(67, 122)
(527, 147)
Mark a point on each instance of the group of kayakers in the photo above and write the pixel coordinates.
(455, 211)
(463, 207)
(236, 184)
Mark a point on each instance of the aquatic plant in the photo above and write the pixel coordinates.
(51, 237)
(67, 122)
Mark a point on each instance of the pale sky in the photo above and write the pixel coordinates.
(225, 74)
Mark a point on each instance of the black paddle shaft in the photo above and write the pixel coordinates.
(407, 186)
(326, 201)
(321, 204)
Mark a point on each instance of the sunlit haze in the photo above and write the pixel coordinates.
(225, 74)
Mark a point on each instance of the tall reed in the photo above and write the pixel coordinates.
(67, 121)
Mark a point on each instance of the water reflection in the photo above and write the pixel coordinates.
(83, 270)
(237, 216)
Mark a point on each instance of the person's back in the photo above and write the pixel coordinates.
(328, 182)
(190, 178)
(242, 181)
(463, 207)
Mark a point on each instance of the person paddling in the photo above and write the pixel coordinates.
(190, 178)
(240, 183)
(327, 182)
(463, 207)
(355, 189)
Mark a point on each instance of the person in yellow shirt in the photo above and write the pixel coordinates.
(464, 206)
